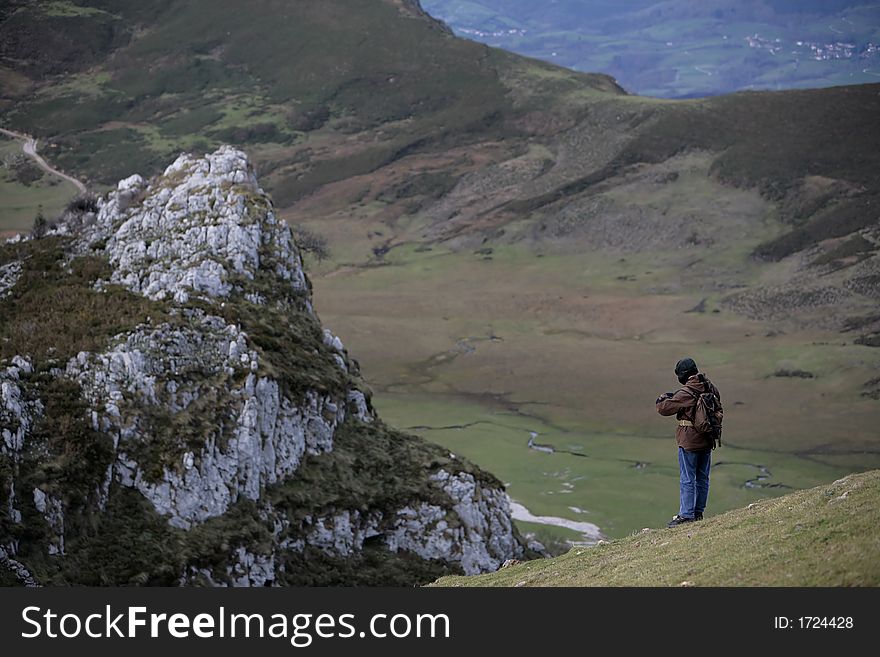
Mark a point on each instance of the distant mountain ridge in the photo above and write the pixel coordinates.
(679, 49)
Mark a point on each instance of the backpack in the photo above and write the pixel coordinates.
(707, 413)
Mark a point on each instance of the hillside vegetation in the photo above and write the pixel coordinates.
(381, 97)
(514, 247)
(362, 82)
(824, 536)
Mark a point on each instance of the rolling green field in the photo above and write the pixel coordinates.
(476, 352)
(619, 482)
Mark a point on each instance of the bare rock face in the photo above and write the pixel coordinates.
(268, 432)
(203, 225)
(219, 420)
(9, 277)
(484, 537)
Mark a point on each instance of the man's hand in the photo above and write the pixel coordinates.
(665, 395)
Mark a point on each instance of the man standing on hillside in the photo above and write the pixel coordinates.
(694, 448)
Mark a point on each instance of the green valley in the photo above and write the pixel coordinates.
(515, 248)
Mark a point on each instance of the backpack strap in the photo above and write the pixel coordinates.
(696, 397)
(716, 432)
(704, 382)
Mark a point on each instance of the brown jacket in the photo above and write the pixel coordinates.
(682, 404)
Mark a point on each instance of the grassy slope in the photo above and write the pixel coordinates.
(199, 68)
(774, 141)
(824, 536)
(316, 91)
(375, 82)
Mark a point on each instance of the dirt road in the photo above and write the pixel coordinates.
(29, 147)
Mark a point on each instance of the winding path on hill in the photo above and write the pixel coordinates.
(29, 147)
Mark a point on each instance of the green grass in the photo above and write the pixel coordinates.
(824, 536)
(168, 73)
(417, 91)
(83, 85)
(591, 470)
(771, 140)
(20, 203)
(190, 121)
(53, 312)
(573, 342)
(51, 38)
(122, 149)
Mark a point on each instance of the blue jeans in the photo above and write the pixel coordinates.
(693, 470)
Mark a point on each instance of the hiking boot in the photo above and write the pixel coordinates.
(698, 516)
(678, 520)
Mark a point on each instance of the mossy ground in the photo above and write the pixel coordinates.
(53, 312)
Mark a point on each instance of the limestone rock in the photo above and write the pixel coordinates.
(251, 569)
(259, 437)
(17, 412)
(201, 419)
(201, 227)
(18, 569)
(481, 540)
(9, 275)
(53, 511)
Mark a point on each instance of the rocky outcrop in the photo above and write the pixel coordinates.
(172, 370)
(484, 539)
(9, 275)
(17, 569)
(471, 528)
(221, 407)
(476, 532)
(17, 412)
(203, 226)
